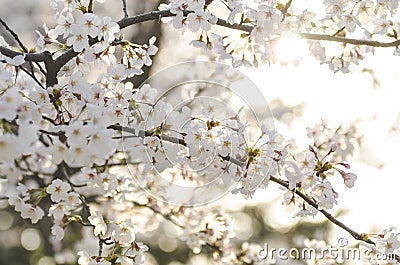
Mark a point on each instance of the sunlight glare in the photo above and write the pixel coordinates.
(291, 48)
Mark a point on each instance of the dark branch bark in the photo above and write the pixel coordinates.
(142, 33)
(124, 8)
(170, 139)
(328, 216)
(285, 184)
(23, 47)
(248, 28)
(32, 57)
(15, 35)
(53, 66)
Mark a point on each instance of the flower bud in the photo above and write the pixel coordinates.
(333, 147)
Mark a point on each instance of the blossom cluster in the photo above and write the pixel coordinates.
(92, 149)
(386, 249)
(263, 24)
(311, 171)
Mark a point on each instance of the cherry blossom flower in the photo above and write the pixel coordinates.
(123, 233)
(236, 7)
(108, 29)
(195, 4)
(179, 21)
(100, 227)
(135, 254)
(349, 22)
(151, 48)
(64, 25)
(78, 42)
(58, 190)
(72, 199)
(57, 231)
(58, 151)
(35, 213)
(381, 25)
(18, 202)
(11, 148)
(200, 20)
(86, 24)
(86, 259)
(117, 73)
(17, 60)
(77, 133)
(348, 178)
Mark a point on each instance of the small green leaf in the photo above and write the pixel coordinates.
(280, 6)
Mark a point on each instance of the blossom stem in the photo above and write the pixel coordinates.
(142, 133)
(53, 66)
(18, 40)
(154, 15)
(166, 216)
(281, 182)
(125, 9)
(328, 216)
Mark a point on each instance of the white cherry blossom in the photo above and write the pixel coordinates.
(58, 190)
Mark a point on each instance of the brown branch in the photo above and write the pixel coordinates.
(371, 43)
(307, 199)
(46, 57)
(153, 15)
(32, 57)
(53, 66)
(124, 9)
(248, 28)
(32, 75)
(328, 216)
(170, 139)
(15, 36)
(166, 216)
(23, 47)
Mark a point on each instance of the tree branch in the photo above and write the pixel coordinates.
(170, 139)
(328, 216)
(248, 28)
(371, 43)
(15, 36)
(166, 216)
(285, 184)
(53, 66)
(18, 40)
(32, 57)
(124, 8)
(32, 75)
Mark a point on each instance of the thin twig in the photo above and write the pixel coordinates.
(283, 183)
(338, 31)
(54, 66)
(125, 9)
(154, 15)
(166, 216)
(170, 139)
(90, 6)
(33, 57)
(81, 197)
(14, 35)
(32, 75)
(23, 47)
(312, 203)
